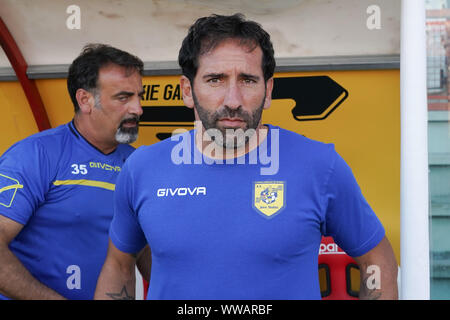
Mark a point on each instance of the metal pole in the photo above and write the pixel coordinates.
(414, 238)
(29, 87)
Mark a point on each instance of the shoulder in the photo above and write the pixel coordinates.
(296, 143)
(43, 143)
(37, 157)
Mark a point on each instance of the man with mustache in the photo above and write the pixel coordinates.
(54, 222)
(226, 229)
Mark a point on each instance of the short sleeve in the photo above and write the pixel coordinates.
(125, 231)
(24, 180)
(349, 218)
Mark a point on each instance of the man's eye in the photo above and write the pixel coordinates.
(214, 80)
(249, 81)
(123, 98)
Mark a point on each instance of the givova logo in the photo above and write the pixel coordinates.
(184, 191)
(8, 189)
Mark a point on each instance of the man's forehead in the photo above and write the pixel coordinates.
(117, 75)
(209, 45)
(114, 70)
(229, 53)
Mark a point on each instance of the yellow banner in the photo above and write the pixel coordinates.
(358, 111)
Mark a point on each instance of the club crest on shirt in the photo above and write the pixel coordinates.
(8, 189)
(269, 197)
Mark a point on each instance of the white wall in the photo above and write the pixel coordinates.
(153, 30)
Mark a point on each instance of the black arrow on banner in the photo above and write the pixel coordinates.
(315, 97)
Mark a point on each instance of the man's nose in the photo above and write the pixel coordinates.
(135, 107)
(233, 96)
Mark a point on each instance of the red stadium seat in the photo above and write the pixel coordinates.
(335, 270)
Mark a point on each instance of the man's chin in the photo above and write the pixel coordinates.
(233, 141)
(126, 136)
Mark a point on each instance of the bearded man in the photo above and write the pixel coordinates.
(56, 192)
(224, 228)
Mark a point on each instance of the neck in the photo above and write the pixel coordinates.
(92, 135)
(212, 150)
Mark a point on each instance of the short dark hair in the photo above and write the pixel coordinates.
(207, 32)
(84, 70)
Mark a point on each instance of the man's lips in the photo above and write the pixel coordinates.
(129, 123)
(231, 122)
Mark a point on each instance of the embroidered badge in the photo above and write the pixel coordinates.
(269, 197)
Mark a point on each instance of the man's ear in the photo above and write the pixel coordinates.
(86, 100)
(186, 90)
(269, 89)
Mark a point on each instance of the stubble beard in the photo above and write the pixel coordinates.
(229, 138)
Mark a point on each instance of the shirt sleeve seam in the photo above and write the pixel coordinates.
(369, 244)
(121, 245)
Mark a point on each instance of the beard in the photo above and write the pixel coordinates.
(229, 138)
(127, 134)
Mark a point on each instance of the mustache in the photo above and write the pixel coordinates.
(226, 112)
(130, 119)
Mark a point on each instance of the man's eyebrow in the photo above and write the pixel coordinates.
(123, 93)
(249, 76)
(127, 93)
(213, 75)
(222, 75)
